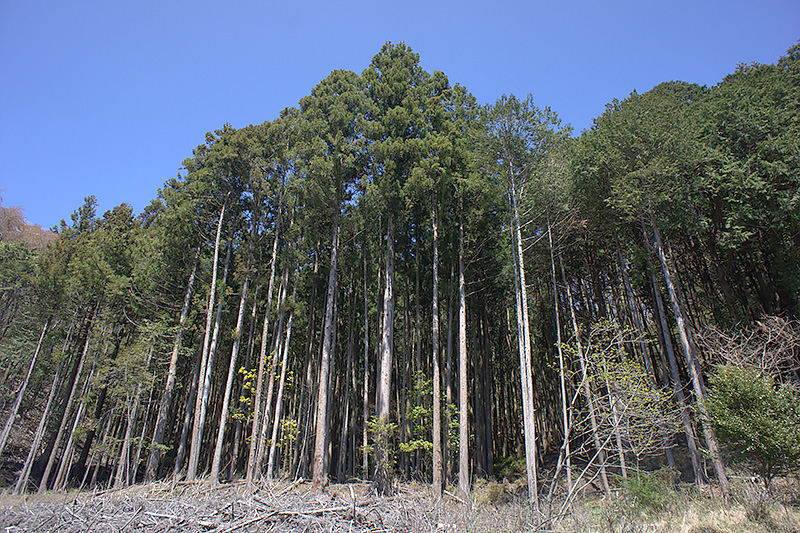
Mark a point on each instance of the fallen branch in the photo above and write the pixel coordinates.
(245, 523)
(456, 498)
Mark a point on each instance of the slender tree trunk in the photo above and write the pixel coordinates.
(381, 479)
(404, 371)
(138, 454)
(156, 448)
(564, 400)
(279, 400)
(215, 465)
(677, 385)
(691, 364)
(18, 401)
(319, 473)
(22, 480)
(252, 467)
(334, 347)
(204, 385)
(417, 331)
(612, 401)
(123, 474)
(463, 404)
(276, 352)
(523, 327)
(245, 392)
(197, 430)
(449, 392)
(62, 475)
(489, 392)
(437, 393)
(97, 455)
(48, 469)
(341, 463)
(365, 400)
(187, 418)
(586, 386)
(300, 462)
(65, 385)
(80, 464)
(641, 342)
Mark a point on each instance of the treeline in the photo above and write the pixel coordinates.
(392, 281)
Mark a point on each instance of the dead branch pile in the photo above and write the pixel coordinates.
(771, 346)
(161, 507)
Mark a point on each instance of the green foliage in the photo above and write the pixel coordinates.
(381, 430)
(512, 465)
(649, 491)
(453, 432)
(17, 265)
(625, 396)
(421, 417)
(755, 420)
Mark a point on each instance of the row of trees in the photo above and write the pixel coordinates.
(391, 280)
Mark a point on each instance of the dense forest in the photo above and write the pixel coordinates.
(392, 282)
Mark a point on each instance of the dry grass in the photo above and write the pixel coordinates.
(688, 510)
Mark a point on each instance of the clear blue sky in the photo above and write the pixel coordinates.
(109, 97)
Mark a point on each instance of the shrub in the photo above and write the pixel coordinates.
(649, 491)
(755, 420)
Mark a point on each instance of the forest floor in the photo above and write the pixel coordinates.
(293, 507)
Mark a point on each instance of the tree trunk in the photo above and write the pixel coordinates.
(463, 404)
(279, 400)
(417, 331)
(523, 327)
(197, 430)
(276, 352)
(123, 474)
(677, 385)
(319, 472)
(62, 476)
(245, 392)
(586, 386)
(437, 393)
(262, 359)
(21, 393)
(564, 401)
(691, 364)
(68, 406)
(187, 418)
(138, 454)
(156, 448)
(204, 385)
(22, 481)
(364, 433)
(612, 401)
(300, 462)
(381, 478)
(341, 463)
(449, 392)
(215, 465)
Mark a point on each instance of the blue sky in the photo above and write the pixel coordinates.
(109, 97)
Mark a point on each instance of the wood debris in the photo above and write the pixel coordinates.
(162, 507)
